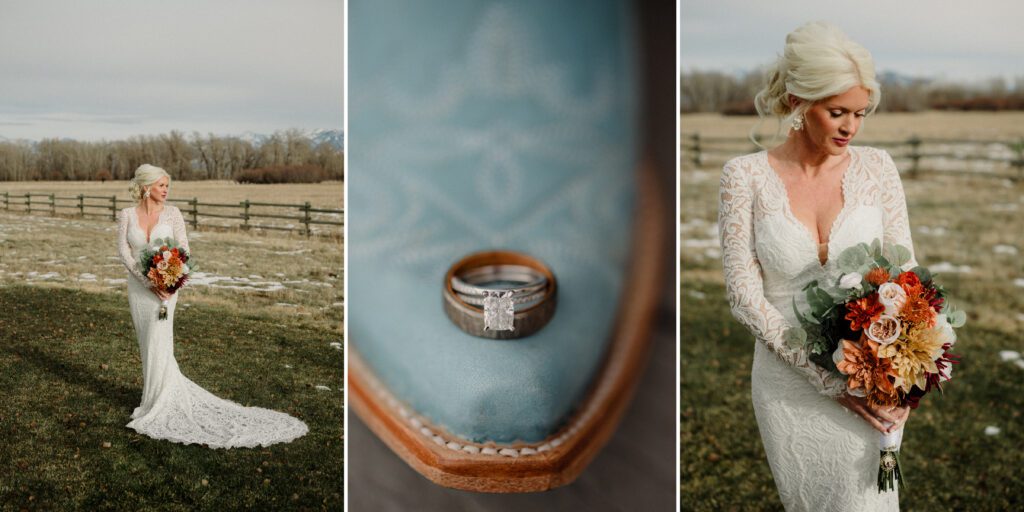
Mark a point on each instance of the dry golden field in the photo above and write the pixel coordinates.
(881, 126)
(275, 274)
(328, 194)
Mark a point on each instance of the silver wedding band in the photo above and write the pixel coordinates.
(523, 284)
(499, 294)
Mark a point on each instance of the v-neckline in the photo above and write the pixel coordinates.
(811, 236)
(138, 222)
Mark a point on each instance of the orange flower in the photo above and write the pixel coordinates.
(877, 276)
(864, 370)
(883, 397)
(862, 312)
(917, 309)
(154, 275)
(908, 279)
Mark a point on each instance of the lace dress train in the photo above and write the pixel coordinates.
(822, 456)
(173, 407)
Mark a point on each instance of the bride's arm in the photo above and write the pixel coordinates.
(744, 284)
(178, 228)
(894, 207)
(124, 251)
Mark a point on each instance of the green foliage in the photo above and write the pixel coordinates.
(70, 371)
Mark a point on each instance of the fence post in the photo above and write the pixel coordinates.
(28, 202)
(195, 212)
(53, 205)
(7, 201)
(306, 219)
(696, 149)
(245, 215)
(81, 205)
(915, 155)
(1019, 161)
(113, 207)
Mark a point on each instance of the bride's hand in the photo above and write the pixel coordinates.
(162, 294)
(875, 416)
(897, 416)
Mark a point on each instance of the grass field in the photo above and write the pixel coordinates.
(70, 371)
(261, 324)
(967, 229)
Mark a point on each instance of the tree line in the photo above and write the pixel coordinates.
(194, 157)
(713, 91)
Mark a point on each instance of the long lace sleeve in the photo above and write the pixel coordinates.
(894, 207)
(124, 251)
(178, 228)
(744, 283)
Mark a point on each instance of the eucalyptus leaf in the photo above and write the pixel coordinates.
(923, 273)
(897, 254)
(853, 258)
(957, 318)
(801, 316)
(876, 247)
(795, 337)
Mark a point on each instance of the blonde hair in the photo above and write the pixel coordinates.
(145, 176)
(819, 61)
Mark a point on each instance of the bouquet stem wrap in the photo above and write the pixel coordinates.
(889, 472)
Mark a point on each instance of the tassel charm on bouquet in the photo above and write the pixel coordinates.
(163, 310)
(889, 472)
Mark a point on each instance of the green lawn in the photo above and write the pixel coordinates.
(70, 375)
(951, 464)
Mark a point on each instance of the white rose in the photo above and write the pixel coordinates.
(838, 356)
(946, 333)
(885, 330)
(166, 255)
(162, 265)
(893, 297)
(851, 280)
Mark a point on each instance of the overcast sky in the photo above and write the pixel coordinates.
(106, 69)
(966, 41)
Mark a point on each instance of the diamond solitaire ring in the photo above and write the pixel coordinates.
(499, 294)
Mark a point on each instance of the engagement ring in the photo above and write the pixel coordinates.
(499, 294)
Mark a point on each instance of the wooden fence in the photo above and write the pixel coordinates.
(248, 215)
(996, 158)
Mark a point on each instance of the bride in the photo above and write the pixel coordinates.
(173, 407)
(785, 215)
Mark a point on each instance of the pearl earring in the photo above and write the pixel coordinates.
(146, 195)
(798, 122)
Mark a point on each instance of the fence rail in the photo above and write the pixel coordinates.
(305, 221)
(997, 158)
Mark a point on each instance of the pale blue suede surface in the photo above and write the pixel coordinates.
(488, 125)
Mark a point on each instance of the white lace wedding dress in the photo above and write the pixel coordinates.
(173, 407)
(823, 456)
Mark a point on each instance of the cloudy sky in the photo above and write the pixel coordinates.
(965, 41)
(107, 69)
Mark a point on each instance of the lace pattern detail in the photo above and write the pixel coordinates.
(822, 456)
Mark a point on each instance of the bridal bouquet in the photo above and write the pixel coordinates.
(165, 264)
(887, 331)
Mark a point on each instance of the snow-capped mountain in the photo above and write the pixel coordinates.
(335, 138)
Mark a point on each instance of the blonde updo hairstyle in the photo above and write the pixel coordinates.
(819, 62)
(145, 176)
